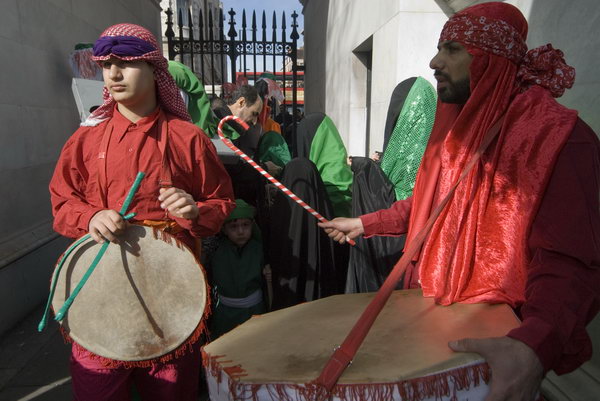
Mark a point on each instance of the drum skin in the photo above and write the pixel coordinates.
(145, 298)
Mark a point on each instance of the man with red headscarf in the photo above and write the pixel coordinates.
(143, 125)
(523, 226)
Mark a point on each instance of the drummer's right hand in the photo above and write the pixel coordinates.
(106, 225)
(342, 229)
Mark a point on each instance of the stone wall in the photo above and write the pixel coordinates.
(399, 36)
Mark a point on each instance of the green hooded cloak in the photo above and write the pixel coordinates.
(402, 156)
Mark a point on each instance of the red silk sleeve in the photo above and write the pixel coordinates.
(391, 222)
(213, 192)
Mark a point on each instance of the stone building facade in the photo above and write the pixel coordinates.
(358, 50)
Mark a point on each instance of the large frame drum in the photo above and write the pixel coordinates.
(146, 297)
(405, 356)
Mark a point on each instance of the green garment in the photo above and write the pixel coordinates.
(199, 103)
(242, 210)
(268, 75)
(228, 130)
(273, 148)
(402, 157)
(80, 46)
(329, 154)
(236, 273)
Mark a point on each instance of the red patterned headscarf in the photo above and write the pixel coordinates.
(544, 66)
(477, 249)
(133, 42)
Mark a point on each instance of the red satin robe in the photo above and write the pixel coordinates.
(563, 285)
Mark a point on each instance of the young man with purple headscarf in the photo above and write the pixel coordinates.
(142, 125)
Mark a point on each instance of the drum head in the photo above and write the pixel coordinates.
(408, 340)
(144, 299)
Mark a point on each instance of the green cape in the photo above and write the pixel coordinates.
(272, 147)
(199, 103)
(402, 157)
(329, 154)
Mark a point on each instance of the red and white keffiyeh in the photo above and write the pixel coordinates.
(168, 93)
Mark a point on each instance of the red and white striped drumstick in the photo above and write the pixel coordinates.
(268, 176)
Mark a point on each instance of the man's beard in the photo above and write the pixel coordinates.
(456, 92)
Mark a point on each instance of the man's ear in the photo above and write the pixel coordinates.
(241, 102)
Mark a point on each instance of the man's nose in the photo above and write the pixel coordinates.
(436, 62)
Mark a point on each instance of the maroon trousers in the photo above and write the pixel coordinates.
(174, 381)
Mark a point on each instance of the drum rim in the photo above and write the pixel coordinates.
(176, 348)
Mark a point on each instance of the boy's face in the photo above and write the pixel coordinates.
(238, 231)
(129, 82)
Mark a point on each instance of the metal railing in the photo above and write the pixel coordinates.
(206, 46)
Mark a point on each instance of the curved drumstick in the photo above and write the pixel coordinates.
(268, 176)
(67, 304)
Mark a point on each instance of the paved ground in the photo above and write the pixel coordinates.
(34, 366)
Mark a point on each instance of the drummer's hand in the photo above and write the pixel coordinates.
(516, 370)
(178, 203)
(343, 228)
(106, 225)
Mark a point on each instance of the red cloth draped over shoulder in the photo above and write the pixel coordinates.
(477, 250)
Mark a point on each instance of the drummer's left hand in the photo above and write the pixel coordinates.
(178, 203)
(516, 370)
